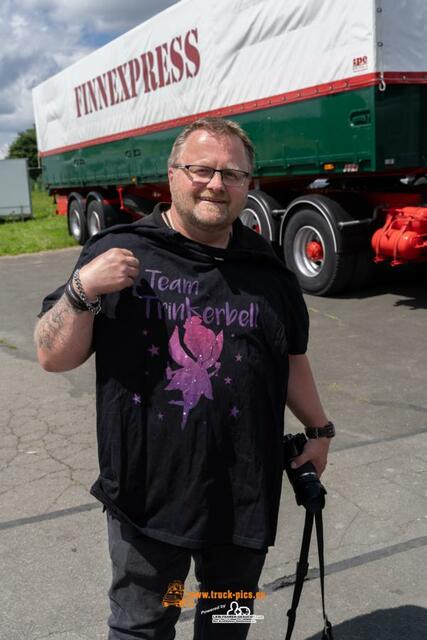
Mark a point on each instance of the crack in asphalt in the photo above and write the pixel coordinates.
(42, 445)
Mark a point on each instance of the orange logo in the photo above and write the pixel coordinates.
(174, 595)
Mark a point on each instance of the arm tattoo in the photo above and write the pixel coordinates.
(50, 329)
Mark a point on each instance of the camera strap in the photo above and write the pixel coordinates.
(302, 569)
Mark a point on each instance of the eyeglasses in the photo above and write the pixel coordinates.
(203, 175)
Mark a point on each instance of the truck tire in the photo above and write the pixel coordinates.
(77, 221)
(257, 215)
(309, 251)
(96, 219)
(100, 216)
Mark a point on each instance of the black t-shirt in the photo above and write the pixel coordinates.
(191, 380)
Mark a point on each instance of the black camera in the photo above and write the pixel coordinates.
(308, 489)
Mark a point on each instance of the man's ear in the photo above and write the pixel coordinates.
(170, 174)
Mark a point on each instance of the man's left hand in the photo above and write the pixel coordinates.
(315, 451)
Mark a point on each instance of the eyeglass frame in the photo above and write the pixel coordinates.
(186, 169)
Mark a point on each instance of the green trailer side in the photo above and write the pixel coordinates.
(378, 131)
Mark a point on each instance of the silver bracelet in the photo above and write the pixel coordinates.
(93, 307)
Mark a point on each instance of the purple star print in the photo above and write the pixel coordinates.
(160, 416)
(154, 350)
(227, 380)
(136, 399)
(234, 412)
(239, 357)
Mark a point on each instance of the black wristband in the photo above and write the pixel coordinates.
(328, 431)
(73, 298)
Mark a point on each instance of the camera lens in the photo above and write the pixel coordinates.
(309, 492)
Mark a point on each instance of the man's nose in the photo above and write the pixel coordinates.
(216, 181)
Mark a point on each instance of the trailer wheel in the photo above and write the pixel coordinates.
(96, 219)
(100, 216)
(257, 215)
(77, 221)
(310, 253)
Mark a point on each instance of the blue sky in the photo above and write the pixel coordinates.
(41, 37)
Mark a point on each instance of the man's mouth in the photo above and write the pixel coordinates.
(214, 200)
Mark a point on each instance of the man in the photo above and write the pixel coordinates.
(200, 339)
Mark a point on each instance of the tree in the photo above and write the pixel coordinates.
(25, 146)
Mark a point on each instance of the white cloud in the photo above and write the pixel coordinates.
(108, 15)
(98, 15)
(4, 150)
(41, 37)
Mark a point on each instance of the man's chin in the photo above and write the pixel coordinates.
(212, 215)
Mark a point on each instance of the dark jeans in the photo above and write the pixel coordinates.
(143, 570)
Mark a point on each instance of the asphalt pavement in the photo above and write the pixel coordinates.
(368, 351)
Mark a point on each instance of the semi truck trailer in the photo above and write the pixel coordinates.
(333, 93)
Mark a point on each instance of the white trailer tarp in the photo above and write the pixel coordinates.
(200, 56)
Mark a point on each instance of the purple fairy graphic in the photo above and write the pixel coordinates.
(193, 378)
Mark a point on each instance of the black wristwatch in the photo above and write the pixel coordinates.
(328, 431)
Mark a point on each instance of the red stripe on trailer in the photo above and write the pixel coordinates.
(405, 77)
(328, 88)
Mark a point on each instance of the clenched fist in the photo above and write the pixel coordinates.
(111, 271)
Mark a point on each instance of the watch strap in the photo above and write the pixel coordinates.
(327, 431)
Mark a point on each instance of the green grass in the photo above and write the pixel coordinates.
(45, 232)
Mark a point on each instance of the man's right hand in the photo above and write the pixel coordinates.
(109, 272)
(64, 336)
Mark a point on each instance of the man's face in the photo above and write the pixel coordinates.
(211, 206)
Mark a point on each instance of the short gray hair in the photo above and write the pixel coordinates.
(217, 127)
